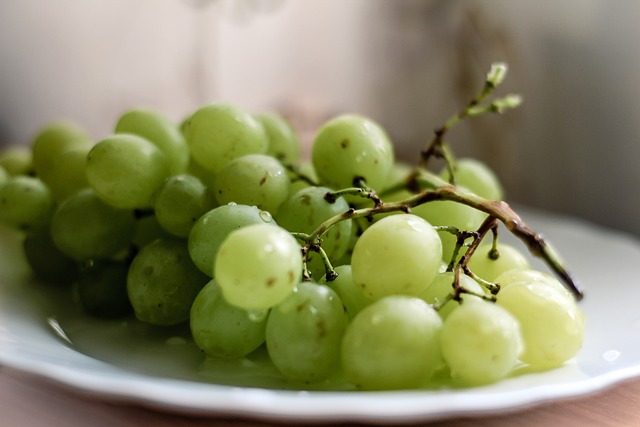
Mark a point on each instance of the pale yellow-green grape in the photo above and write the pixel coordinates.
(480, 342)
(392, 344)
(526, 275)
(218, 133)
(258, 266)
(349, 147)
(208, 233)
(352, 299)
(256, 180)
(25, 203)
(102, 289)
(17, 160)
(163, 282)
(304, 333)
(161, 131)
(84, 227)
(477, 177)
(451, 214)
(181, 201)
(47, 261)
(68, 172)
(126, 170)
(400, 254)
(551, 322)
(510, 258)
(221, 329)
(442, 287)
(305, 211)
(283, 141)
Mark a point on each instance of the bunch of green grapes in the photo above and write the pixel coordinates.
(351, 265)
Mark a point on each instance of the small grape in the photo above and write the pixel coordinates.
(163, 282)
(208, 233)
(53, 140)
(352, 299)
(399, 254)
(480, 342)
(255, 180)
(17, 160)
(25, 203)
(218, 133)
(477, 177)
(126, 171)
(392, 344)
(283, 141)
(488, 268)
(221, 329)
(304, 333)
(258, 266)
(349, 147)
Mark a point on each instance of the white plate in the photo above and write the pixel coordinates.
(604, 261)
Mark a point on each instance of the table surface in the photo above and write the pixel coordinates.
(27, 401)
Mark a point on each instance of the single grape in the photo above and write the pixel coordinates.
(256, 180)
(218, 133)
(551, 322)
(84, 227)
(392, 344)
(68, 173)
(442, 286)
(222, 330)
(305, 331)
(258, 266)
(208, 233)
(102, 289)
(25, 203)
(480, 342)
(352, 299)
(161, 131)
(484, 265)
(305, 211)
(163, 282)
(126, 170)
(477, 177)
(47, 261)
(349, 147)
(181, 201)
(399, 254)
(17, 160)
(283, 141)
(452, 214)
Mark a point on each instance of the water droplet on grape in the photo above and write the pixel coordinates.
(232, 204)
(257, 315)
(265, 216)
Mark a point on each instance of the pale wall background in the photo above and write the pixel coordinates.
(573, 147)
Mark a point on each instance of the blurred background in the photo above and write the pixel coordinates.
(573, 147)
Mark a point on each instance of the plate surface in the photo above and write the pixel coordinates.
(605, 262)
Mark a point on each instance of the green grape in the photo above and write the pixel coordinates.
(305, 331)
(283, 141)
(477, 177)
(17, 160)
(352, 299)
(59, 158)
(161, 131)
(482, 264)
(258, 266)
(4, 175)
(222, 330)
(25, 203)
(452, 214)
(480, 342)
(126, 170)
(442, 286)
(526, 275)
(84, 227)
(392, 344)
(305, 211)
(181, 201)
(551, 322)
(350, 147)
(255, 180)
(163, 282)
(146, 230)
(399, 254)
(102, 289)
(212, 228)
(218, 133)
(47, 261)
